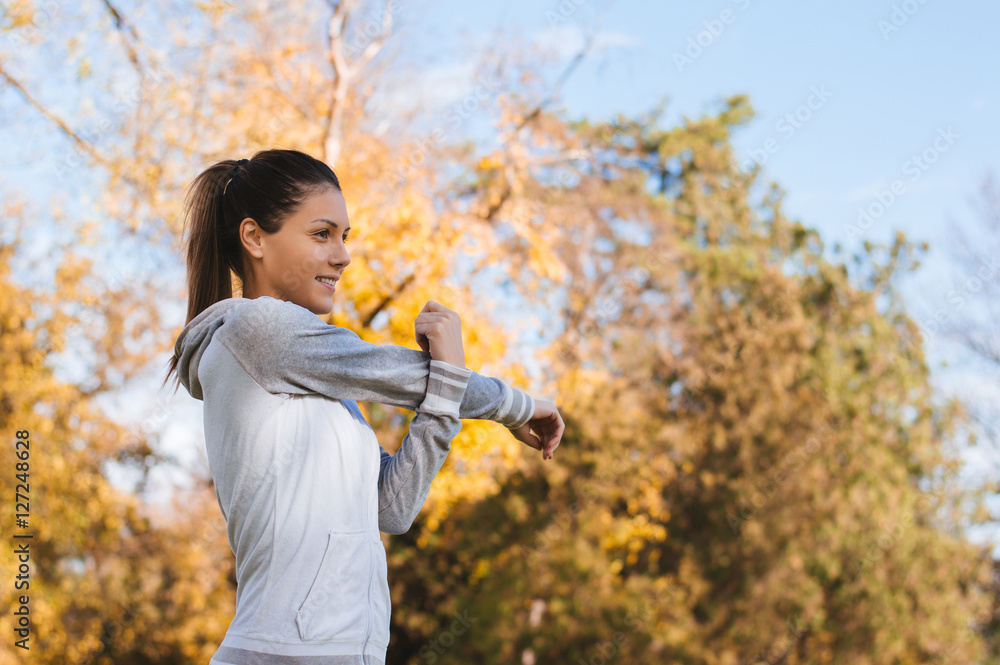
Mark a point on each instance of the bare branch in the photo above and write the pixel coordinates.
(278, 80)
(570, 68)
(561, 157)
(574, 63)
(389, 297)
(83, 145)
(124, 26)
(344, 71)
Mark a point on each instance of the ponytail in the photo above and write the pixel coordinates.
(267, 188)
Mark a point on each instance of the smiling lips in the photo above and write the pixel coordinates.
(329, 282)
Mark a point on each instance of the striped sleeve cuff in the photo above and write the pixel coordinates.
(517, 408)
(445, 388)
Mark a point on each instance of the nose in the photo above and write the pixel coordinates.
(340, 257)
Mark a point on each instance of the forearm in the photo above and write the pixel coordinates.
(288, 349)
(489, 398)
(405, 478)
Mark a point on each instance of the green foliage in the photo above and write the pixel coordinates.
(753, 469)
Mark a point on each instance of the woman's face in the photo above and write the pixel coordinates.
(289, 264)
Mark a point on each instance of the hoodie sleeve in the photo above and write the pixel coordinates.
(404, 479)
(288, 349)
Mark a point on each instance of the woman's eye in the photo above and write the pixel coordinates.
(345, 240)
(326, 231)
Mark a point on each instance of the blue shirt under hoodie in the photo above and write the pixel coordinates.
(302, 481)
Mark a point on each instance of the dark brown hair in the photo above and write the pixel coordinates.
(269, 187)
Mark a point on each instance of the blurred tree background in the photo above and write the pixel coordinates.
(755, 468)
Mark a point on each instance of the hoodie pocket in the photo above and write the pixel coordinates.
(336, 606)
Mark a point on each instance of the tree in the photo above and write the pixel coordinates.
(969, 317)
(754, 468)
(971, 311)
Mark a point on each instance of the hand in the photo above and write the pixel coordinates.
(547, 424)
(439, 331)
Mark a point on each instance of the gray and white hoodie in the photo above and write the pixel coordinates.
(301, 479)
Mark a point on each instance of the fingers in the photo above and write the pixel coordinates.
(431, 306)
(438, 331)
(548, 424)
(542, 434)
(534, 442)
(523, 435)
(436, 322)
(553, 441)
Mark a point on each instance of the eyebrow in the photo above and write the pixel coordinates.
(330, 222)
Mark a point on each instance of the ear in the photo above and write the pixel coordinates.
(251, 238)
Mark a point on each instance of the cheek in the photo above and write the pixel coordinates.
(310, 258)
(293, 262)
(282, 257)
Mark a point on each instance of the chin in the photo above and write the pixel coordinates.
(322, 308)
(323, 305)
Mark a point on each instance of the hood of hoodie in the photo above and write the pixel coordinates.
(195, 338)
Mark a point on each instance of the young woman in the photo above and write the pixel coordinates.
(300, 478)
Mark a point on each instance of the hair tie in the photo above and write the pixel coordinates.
(239, 163)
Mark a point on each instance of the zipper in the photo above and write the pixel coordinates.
(371, 560)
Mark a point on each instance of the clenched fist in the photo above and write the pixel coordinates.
(439, 331)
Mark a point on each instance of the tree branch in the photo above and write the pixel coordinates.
(386, 300)
(570, 68)
(122, 26)
(344, 71)
(83, 145)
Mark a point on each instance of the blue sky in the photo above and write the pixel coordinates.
(890, 92)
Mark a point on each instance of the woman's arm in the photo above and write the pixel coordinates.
(288, 349)
(404, 479)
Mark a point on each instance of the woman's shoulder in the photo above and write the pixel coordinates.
(267, 310)
(278, 320)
